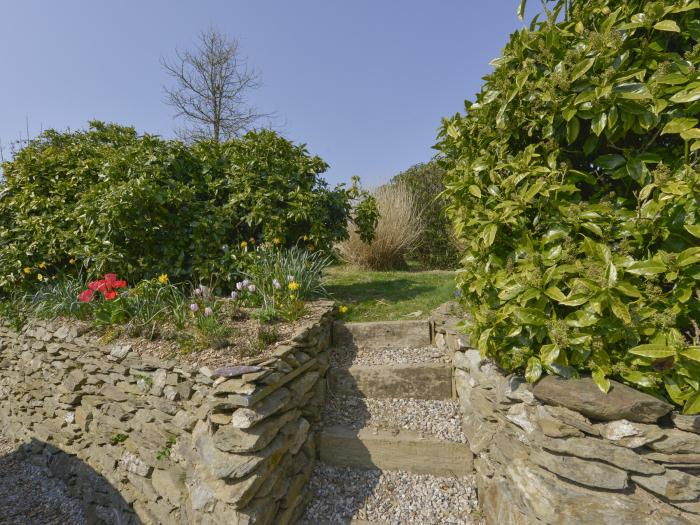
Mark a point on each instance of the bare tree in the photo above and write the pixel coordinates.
(211, 84)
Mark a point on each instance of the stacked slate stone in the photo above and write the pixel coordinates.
(564, 452)
(152, 442)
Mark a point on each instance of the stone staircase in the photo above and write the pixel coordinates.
(383, 459)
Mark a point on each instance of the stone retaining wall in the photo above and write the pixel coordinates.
(564, 452)
(178, 445)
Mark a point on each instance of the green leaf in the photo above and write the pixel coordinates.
(598, 123)
(533, 370)
(693, 229)
(474, 190)
(610, 162)
(692, 352)
(650, 267)
(573, 127)
(531, 316)
(655, 351)
(521, 9)
(690, 134)
(689, 256)
(639, 378)
(599, 379)
(692, 405)
(628, 289)
(679, 125)
(581, 68)
(489, 234)
(667, 25)
(632, 91)
(684, 97)
(555, 293)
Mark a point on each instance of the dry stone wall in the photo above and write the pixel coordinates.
(564, 452)
(179, 445)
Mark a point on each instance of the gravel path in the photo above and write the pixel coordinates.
(430, 418)
(395, 498)
(28, 496)
(345, 356)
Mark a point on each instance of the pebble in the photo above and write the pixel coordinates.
(30, 496)
(396, 498)
(430, 418)
(345, 356)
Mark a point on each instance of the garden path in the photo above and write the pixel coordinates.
(391, 447)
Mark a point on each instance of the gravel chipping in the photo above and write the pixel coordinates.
(429, 418)
(29, 496)
(395, 498)
(345, 356)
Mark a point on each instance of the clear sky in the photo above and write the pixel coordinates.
(364, 83)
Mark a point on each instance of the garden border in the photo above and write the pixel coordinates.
(179, 445)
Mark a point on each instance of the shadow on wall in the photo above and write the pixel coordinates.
(43, 485)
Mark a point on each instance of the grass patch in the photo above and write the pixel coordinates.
(385, 296)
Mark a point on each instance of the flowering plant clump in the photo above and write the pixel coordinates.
(107, 287)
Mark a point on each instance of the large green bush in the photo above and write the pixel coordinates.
(111, 200)
(436, 246)
(573, 179)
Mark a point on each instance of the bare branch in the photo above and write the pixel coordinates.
(210, 89)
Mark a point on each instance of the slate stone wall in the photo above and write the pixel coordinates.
(179, 445)
(564, 452)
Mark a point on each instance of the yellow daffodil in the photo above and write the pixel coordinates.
(293, 286)
(163, 278)
(343, 309)
(306, 237)
(39, 277)
(27, 269)
(72, 261)
(311, 247)
(277, 240)
(42, 265)
(244, 244)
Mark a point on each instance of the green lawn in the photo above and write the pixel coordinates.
(383, 296)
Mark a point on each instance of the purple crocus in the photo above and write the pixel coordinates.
(194, 307)
(239, 286)
(290, 278)
(251, 288)
(276, 284)
(208, 311)
(234, 295)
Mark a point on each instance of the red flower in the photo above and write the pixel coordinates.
(85, 296)
(105, 286)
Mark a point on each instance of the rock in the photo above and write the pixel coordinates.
(687, 423)
(132, 463)
(159, 378)
(231, 439)
(675, 459)
(301, 386)
(584, 396)
(589, 473)
(597, 449)
(169, 483)
(234, 371)
(676, 441)
(119, 352)
(233, 386)
(674, 485)
(73, 381)
(517, 390)
(297, 430)
(247, 417)
(631, 435)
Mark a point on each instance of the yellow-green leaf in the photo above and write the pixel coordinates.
(667, 25)
(474, 190)
(599, 379)
(679, 125)
(692, 352)
(692, 405)
(654, 351)
(533, 370)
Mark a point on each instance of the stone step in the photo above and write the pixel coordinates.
(403, 450)
(430, 380)
(396, 334)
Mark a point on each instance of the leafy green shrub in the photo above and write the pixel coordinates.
(436, 246)
(108, 199)
(573, 182)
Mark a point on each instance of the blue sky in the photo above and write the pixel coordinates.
(363, 83)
